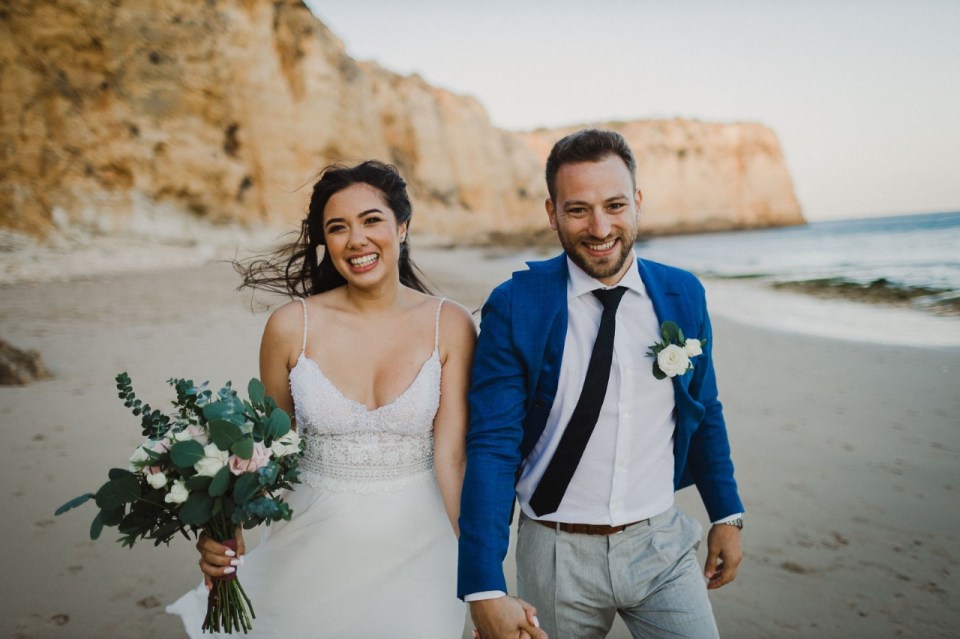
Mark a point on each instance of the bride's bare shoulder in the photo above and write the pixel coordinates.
(285, 321)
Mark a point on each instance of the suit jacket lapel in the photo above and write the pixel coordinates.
(664, 297)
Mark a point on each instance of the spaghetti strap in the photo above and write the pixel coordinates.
(303, 346)
(436, 330)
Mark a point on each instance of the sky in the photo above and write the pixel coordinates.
(864, 96)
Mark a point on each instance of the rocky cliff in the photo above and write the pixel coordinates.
(116, 115)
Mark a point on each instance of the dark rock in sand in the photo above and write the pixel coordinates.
(20, 367)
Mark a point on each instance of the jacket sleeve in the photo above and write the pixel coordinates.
(709, 459)
(497, 409)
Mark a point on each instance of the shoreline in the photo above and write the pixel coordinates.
(820, 308)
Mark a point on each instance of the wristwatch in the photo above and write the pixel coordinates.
(738, 522)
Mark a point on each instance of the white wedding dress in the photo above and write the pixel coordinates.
(369, 551)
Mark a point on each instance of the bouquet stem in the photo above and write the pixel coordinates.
(229, 609)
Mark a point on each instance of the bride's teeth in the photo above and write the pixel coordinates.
(366, 260)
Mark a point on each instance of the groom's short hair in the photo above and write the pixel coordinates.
(587, 145)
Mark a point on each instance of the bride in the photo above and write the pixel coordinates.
(375, 371)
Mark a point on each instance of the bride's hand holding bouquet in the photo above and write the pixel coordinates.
(214, 464)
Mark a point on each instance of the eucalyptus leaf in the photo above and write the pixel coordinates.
(246, 487)
(117, 473)
(118, 491)
(243, 448)
(112, 516)
(228, 408)
(200, 482)
(680, 338)
(96, 527)
(187, 453)
(197, 509)
(73, 503)
(224, 433)
(255, 390)
(279, 423)
(268, 474)
(220, 483)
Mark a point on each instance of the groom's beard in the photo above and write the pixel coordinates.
(598, 268)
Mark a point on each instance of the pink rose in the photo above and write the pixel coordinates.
(160, 447)
(261, 455)
(194, 432)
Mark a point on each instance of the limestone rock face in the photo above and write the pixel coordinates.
(115, 115)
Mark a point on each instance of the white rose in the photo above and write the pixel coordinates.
(213, 460)
(178, 493)
(673, 361)
(157, 480)
(693, 347)
(138, 458)
(289, 444)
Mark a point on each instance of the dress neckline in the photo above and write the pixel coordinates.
(435, 355)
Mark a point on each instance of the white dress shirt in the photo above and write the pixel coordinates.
(626, 471)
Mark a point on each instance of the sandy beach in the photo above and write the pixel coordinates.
(846, 450)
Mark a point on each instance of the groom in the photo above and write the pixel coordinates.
(568, 415)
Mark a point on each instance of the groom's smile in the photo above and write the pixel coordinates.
(595, 215)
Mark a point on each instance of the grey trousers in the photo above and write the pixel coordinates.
(648, 573)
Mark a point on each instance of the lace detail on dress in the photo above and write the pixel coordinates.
(353, 448)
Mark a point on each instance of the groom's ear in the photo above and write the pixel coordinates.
(551, 213)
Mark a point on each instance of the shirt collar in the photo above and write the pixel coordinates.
(579, 283)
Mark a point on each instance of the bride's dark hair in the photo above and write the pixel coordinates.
(294, 270)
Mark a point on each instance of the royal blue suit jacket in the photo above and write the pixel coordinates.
(514, 381)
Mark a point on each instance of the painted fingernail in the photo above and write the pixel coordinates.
(241, 560)
(234, 562)
(228, 570)
(536, 621)
(230, 553)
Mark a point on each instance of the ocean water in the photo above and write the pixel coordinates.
(861, 260)
(906, 252)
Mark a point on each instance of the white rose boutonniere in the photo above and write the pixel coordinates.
(671, 357)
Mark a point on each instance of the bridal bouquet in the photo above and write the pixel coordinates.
(214, 463)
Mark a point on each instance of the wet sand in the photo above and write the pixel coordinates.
(847, 456)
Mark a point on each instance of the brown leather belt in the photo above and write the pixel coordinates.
(588, 529)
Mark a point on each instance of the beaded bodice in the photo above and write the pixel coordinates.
(352, 447)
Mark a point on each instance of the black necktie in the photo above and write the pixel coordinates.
(549, 492)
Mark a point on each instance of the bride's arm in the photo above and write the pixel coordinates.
(458, 338)
(279, 349)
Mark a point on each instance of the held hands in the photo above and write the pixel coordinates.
(217, 560)
(505, 618)
(724, 555)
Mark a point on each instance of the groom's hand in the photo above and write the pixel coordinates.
(505, 618)
(724, 555)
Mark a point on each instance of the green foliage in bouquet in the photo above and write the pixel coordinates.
(214, 463)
